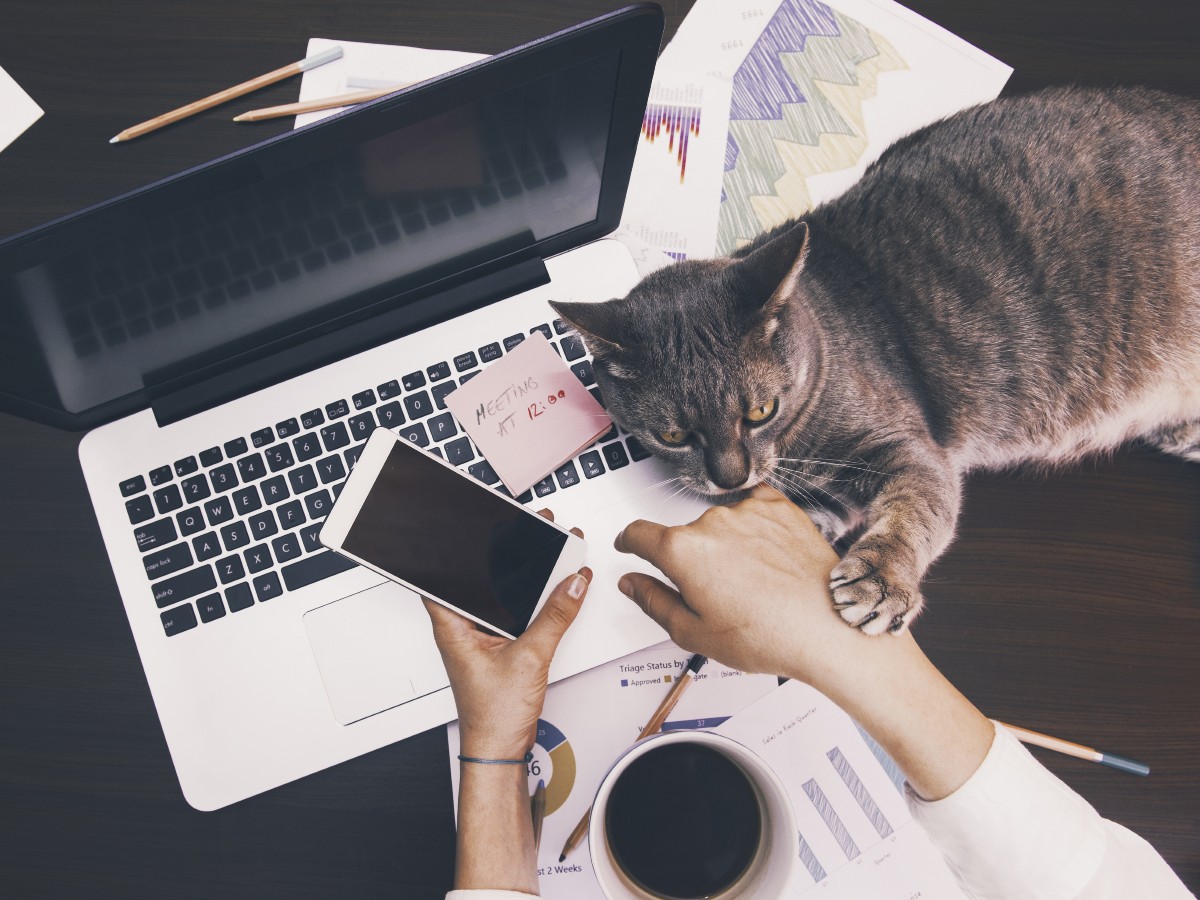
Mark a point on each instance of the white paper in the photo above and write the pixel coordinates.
(17, 110)
(589, 720)
(819, 90)
(369, 66)
(857, 838)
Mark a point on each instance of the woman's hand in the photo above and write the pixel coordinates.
(499, 684)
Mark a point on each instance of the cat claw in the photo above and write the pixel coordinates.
(866, 600)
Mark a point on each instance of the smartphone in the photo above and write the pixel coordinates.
(414, 518)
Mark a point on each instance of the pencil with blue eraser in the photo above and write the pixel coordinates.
(1078, 750)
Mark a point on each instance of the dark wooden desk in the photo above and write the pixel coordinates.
(1069, 604)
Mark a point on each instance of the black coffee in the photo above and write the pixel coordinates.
(683, 821)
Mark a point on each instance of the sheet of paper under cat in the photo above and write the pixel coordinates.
(1019, 282)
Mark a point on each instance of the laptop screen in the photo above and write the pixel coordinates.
(267, 248)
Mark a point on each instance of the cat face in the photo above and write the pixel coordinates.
(705, 363)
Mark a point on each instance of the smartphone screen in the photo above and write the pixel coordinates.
(455, 539)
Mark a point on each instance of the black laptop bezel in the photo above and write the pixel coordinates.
(635, 30)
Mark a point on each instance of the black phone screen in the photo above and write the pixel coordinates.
(455, 539)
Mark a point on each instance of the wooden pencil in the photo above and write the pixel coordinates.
(238, 90)
(307, 106)
(1079, 751)
(537, 809)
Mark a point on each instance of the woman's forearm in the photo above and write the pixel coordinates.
(495, 832)
(936, 736)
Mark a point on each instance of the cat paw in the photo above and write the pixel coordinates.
(870, 599)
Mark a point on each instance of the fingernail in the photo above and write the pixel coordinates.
(625, 586)
(577, 587)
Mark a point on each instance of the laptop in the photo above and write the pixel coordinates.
(231, 335)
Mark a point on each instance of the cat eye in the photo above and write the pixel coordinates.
(760, 414)
(674, 437)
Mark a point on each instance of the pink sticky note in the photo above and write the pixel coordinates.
(528, 413)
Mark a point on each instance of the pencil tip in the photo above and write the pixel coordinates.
(114, 140)
(541, 783)
(240, 118)
(562, 858)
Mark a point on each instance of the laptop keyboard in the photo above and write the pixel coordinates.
(236, 524)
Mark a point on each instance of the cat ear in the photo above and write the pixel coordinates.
(775, 268)
(599, 324)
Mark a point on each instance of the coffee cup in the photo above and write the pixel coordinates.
(688, 814)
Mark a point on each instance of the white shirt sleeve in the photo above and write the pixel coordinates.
(489, 895)
(1015, 831)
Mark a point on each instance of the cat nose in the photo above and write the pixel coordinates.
(728, 469)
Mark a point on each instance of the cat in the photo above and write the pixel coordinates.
(1019, 282)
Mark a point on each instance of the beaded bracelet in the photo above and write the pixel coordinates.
(498, 762)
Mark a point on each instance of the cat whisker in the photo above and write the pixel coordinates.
(845, 464)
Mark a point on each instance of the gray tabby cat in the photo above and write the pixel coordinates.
(1019, 282)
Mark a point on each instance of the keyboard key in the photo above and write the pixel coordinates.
(544, 487)
(458, 452)
(512, 340)
(247, 500)
(413, 380)
(183, 587)
(312, 419)
(262, 437)
(567, 476)
(290, 514)
(258, 558)
(438, 371)
(236, 447)
(491, 352)
(330, 469)
(251, 467)
(230, 569)
(484, 472)
(307, 446)
(223, 478)
(302, 479)
(190, 521)
(161, 475)
(363, 399)
(336, 409)
(608, 435)
(239, 597)
(235, 536)
(210, 607)
(286, 547)
(139, 509)
(465, 361)
(287, 428)
(418, 405)
(614, 455)
(583, 371)
(561, 327)
(155, 534)
(279, 457)
(361, 426)
(195, 489)
(314, 568)
(178, 620)
(318, 504)
(591, 464)
(636, 450)
(267, 587)
(389, 390)
(442, 427)
(274, 490)
(263, 525)
(390, 415)
(526, 497)
(572, 347)
(414, 434)
(133, 486)
(167, 499)
(467, 376)
(442, 391)
(210, 457)
(310, 537)
(334, 436)
(186, 466)
(544, 329)
(219, 510)
(595, 392)
(352, 454)
(206, 546)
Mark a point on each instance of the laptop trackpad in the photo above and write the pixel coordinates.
(375, 651)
